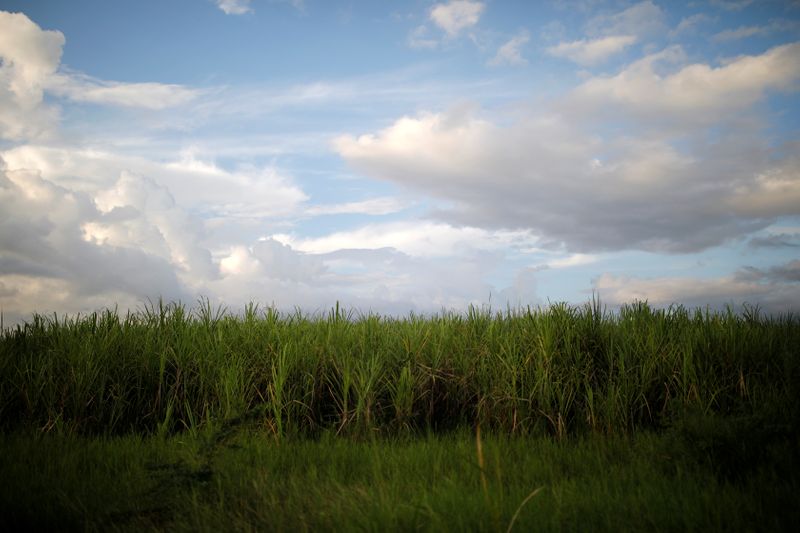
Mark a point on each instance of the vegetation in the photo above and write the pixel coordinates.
(203, 420)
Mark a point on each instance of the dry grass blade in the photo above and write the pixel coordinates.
(519, 509)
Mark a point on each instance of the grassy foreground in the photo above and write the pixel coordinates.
(432, 483)
(201, 420)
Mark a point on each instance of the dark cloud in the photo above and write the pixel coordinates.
(786, 273)
(780, 240)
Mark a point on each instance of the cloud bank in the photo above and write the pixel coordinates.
(549, 173)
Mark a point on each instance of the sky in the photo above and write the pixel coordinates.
(398, 156)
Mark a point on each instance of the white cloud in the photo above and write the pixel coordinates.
(246, 192)
(414, 238)
(82, 88)
(691, 23)
(644, 20)
(551, 175)
(373, 206)
(234, 7)
(572, 260)
(270, 259)
(509, 53)
(696, 93)
(742, 32)
(420, 37)
(592, 52)
(28, 56)
(46, 247)
(731, 5)
(456, 15)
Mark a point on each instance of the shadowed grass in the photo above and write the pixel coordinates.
(434, 483)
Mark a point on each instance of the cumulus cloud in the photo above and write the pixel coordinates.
(456, 15)
(509, 53)
(697, 93)
(592, 52)
(28, 57)
(268, 258)
(46, 247)
(246, 192)
(234, 7)
(129, 238)
(30, 68)
(383, 280)
(125, 242)
(551, 174)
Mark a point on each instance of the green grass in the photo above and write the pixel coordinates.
(182, 419)
(433, 483)
(556, 371)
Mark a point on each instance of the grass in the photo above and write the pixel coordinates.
(178, 419)
(432, 482)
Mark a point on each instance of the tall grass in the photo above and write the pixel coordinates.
(560, 370)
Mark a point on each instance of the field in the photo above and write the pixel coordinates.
(564, 418)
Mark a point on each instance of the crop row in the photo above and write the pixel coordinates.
(556, 370)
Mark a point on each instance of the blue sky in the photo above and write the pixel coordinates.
(398, 156)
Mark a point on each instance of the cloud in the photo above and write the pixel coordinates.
(456, 15)
(592, 52)
(46, 247)
(739, 33)
(124, 243)
(509, 53)
(234, 7)
(29, 68)
(643, 20)
(420, 37)
(551, 173)
(773, 192)
(690, 24)
(788, 272)
(28, 56)
(82, 88)
(571, 261)
(384, 279)
(696, 93)
(414, 238)
(776, 290)
(742, 32)
(777, 240)
(245, 192)
(373, 206)
(731, 5)
(270, 259)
